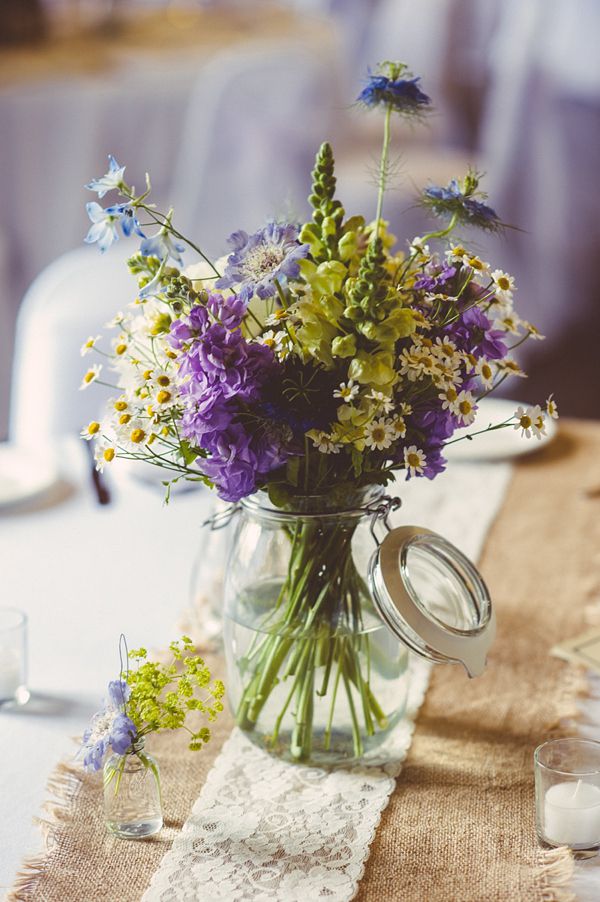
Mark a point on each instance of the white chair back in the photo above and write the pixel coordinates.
(71, 299)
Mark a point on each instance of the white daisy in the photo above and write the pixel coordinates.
(418, 248)
(90, 431)
(399, 427)
(485, 372)
(92, 374)
(277, 317)
(103, 454)
(117, 320)
(509, 322)
(551, 408)
(406, 409)
(380, 434)
(324, 442)
(414, 460)
(347, 391)
(464, 408)
(449, 396)
(504, 285)
(457, 253)
(381, 400)
(511, 367)
(530, 421)
(89, 345)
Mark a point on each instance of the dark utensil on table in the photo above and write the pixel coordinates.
(98, 481)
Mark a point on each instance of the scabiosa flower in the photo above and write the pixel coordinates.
(457, 200)
(110, 727)
(397, 88)
(259, 259)
(108, 182)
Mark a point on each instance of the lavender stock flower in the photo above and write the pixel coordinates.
(259, 259)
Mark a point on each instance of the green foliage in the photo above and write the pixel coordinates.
(164, 694)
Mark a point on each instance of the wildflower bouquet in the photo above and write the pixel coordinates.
(314, 360)
(152, 698)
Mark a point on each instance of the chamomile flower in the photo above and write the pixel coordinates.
(380, 434)
(464, 408)
(347, 391)
(405, 409)
(485, 372)
(419, 249)
(104, 454)
(530, 421)
(448, 396)
(414, 460)
(277, 317)
(457, 253)
(476, 264)
(120, 345)
(92, 374)
(279, 342)
(89, 345)
(382, 400)
(90, 431)
(117, 320)
(533, 331)
(399, 427)
(134, 434)
(444, 347)
(324, 442)
(510, 322)
(551, 408)
(504, 285)
(511, 367)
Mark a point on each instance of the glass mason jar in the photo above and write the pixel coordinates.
(132, 797)
(314, 674)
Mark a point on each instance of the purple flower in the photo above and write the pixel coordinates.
(473, 332)
(259, 259)
(110, 728)
(435, 278)
(402, 94)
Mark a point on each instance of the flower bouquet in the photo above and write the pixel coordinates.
(153, 697)
(297, 376)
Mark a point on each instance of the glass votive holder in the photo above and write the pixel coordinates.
(567, 793)
(13, 657)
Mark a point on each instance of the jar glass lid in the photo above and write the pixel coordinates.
(432, 598)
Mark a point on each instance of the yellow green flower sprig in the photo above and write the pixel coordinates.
(163, 695)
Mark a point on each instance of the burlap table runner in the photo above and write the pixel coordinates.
(460, 825)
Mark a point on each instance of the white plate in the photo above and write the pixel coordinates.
(501, 443)
(24, 475)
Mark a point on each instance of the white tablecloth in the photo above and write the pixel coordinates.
(83, 574)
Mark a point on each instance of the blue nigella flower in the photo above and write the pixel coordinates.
(108, 182)
(403, 94)
(105, 221)
(454, 200)
(259, 259)
(162, 246)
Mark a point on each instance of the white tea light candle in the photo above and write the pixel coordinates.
(13, 657)
(572, 814)
(567, 793)
(10, 675)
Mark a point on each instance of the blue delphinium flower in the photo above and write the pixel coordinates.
(457, 200)
(108, 182)
(105, 221)
(162, 246)
(397, 88)
(258, 260)
(110, 728)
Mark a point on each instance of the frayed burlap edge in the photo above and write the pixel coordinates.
(554, 867)
(63, 785)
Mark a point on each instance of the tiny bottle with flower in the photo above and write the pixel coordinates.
(153, 697)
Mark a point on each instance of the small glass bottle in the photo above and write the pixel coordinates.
(132, 797)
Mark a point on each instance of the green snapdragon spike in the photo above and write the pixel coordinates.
(373, 283)
(325, 231)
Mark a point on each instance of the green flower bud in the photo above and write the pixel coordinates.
(344, 346)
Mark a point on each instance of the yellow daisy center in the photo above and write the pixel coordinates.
(120, 349)
(108, 454)
(413, 459)
(137, 436)
(124, 419)
(451, 394)
(378, 434)
(525, 421)
(503, 283)
(163, 396)
(465, 407)
(89, 376)
(120, 405)
(163, 380)
(486, 371)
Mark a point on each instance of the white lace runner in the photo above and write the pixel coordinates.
(263, 829)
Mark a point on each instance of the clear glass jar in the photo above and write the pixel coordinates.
(132, 797)
(314, 675)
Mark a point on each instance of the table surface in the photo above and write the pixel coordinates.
(84, 574)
